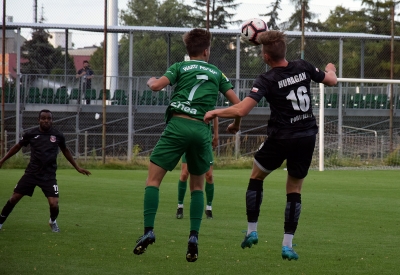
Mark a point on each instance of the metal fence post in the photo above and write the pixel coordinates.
(86, 144)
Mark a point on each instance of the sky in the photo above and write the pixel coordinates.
(91, 12)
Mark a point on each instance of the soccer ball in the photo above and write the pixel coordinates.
(251, 28)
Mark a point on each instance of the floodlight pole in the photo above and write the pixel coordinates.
(391, 100)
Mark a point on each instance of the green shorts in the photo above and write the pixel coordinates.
(211, 157)
(181, 136)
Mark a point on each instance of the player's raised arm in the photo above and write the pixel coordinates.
(239, 110)
(330, 75)
(234, 127)
(157, 84)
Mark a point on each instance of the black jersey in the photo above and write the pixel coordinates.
(44, 150)
(287, 89)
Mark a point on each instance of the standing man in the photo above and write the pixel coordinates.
(209, 187)
(198, 84)
(291, 131)
(85, 76)
(41, 170)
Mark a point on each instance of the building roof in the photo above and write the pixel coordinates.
(9, 34)
(127, 29)
(86, 51)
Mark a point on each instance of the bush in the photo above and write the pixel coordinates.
(393, 159)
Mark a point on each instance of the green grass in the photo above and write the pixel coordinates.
(349, 225)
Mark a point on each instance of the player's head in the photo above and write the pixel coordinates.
(197, 42)
(273, 44)
(45, 120)
(85, 63)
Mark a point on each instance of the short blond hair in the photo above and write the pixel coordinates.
(274, 44)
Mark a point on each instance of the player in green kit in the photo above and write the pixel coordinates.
(198, 85)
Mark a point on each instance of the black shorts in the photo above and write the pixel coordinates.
(297, 152)
(27, 184)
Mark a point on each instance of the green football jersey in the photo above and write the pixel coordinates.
(198, 84)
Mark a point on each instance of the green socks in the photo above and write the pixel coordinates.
(209, 193)
(182, 185)
(209, 188)
(196, 210)
(151, 199)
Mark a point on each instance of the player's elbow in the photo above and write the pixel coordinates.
(240, 112)
(155, 87)
(331, 82)
(330, 79)
(244, 107)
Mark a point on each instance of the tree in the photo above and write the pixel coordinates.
(296, 18)
(371, 19)
(273, 15)
(344, 20)
(378, 14)
(171, 13)
(162, 50)
(140, 13)
(59, 67)
(220, 17)
(96, 60)
(41, 56)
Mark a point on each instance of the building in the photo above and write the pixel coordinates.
(58, 39)
(81, 54)
(11, 48)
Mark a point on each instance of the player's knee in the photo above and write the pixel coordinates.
(184, 172)
(15, 198)
(209, 178)
(184, 176)
(53, 203)
(298, 175)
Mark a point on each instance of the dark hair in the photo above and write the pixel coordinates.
(196, 41)
(85, 61)
(274, 43)
(44, 111)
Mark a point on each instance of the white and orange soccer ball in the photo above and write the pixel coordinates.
(251, 28)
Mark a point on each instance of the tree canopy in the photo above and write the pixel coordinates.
(154, 52)
(221, 13)
(42, 57)
(373, 17)
(273, 15)
(173, 13)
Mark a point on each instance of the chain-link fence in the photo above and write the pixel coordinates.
(360, 133)
(359, 137)
(358, 128)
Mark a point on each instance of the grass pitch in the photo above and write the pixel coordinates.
(349, 225)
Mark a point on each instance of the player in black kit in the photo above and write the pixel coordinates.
(291, 131)
(41, 170)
